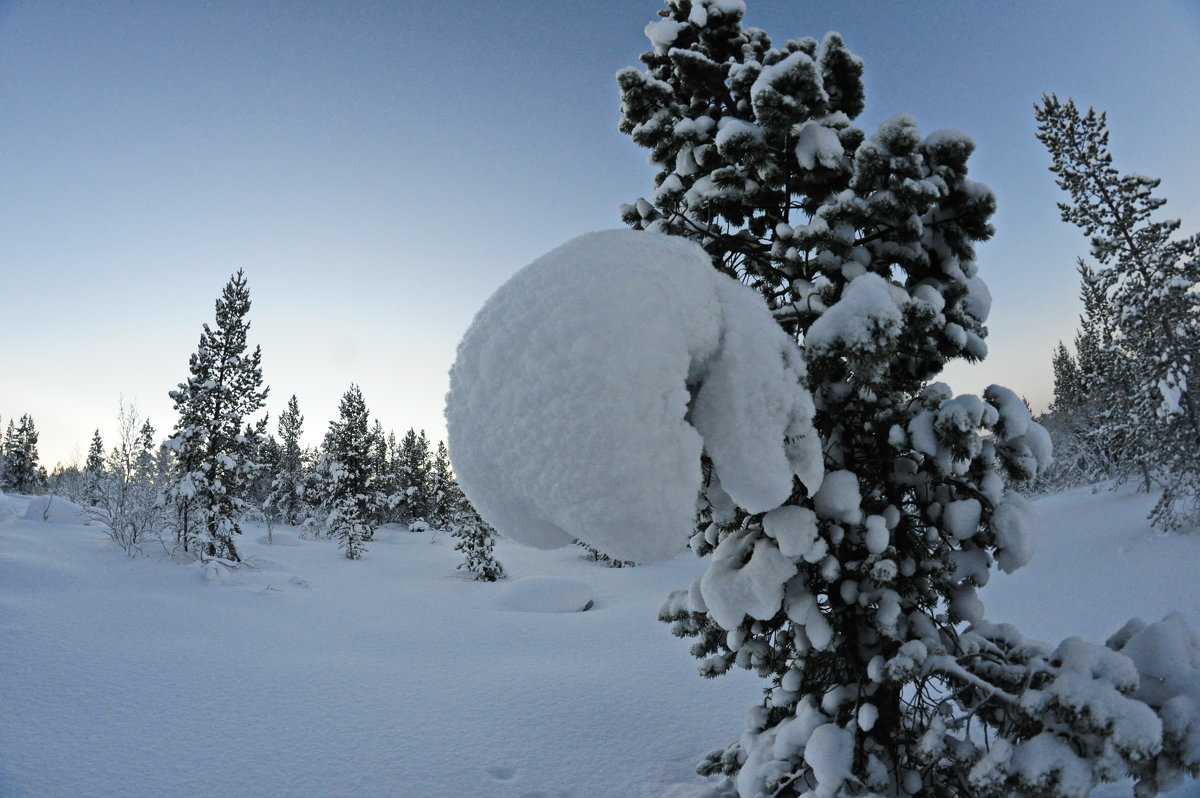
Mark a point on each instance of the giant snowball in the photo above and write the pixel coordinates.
(588, 385)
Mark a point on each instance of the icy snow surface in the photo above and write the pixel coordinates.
(588, 385)
(394, 675)
(386, 677)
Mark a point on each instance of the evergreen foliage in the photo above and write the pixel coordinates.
(213, 450)
(474, 538)
(595, 555)
(348, 527)
(287, 490)
(348, 469)
(858, 605)
(1140, 338)
(442, 487)
(385, 481)
(1088, 419)
(266, 453)
(22, 473)
(413, 472)
(93, 468)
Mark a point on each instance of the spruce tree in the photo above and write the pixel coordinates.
(441, 487)
(1089, 419)
(348, 465)
(413, 468)
(882, 674)
(93, 470)
(20, 451)
(95, 455)
(385, 483)
(1145, 281)
(212, 450)
(474, 538)
(287, 490)
(145, 463)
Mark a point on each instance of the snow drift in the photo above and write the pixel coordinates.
(590, 383)
(55, 510)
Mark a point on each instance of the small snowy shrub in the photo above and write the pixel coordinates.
(348, 528)
(125, 492)
(475, 539)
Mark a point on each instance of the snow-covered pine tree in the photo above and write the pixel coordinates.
(1089, 417)
(413, 467)
(287, 490)
(386, 483)
(11, 431)
(347, 526)
(442, 488)
(1146, 280)
(212, 451)
(1075, 462)
(348, 467)
(265, 452)
(93, 469)
(473, 537)
(145, 461)
(858, 604)
(20, 451)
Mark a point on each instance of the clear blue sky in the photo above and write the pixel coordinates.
(378, 169)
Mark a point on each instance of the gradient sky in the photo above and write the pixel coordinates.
(378, 169)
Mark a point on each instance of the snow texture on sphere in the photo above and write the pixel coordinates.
(574, 394)
(546, 594)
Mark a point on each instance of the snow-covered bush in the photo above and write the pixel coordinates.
(473, 537)
(347, 526)
(126, 491)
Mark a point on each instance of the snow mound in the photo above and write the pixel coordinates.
(588, 385)
(55, 510)
(546, 594)
(280, 539)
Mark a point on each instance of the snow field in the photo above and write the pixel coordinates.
(397, 676)
(314, 675)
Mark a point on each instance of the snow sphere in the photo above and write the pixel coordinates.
(588, 385)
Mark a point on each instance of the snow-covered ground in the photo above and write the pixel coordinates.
(313, 675)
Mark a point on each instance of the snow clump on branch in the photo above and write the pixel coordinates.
(589, 385)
